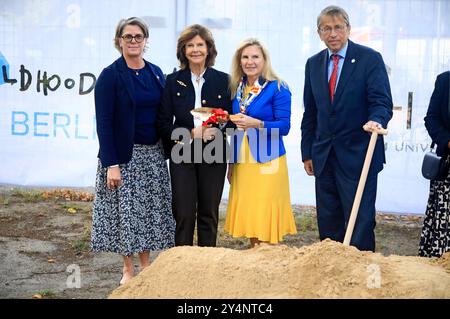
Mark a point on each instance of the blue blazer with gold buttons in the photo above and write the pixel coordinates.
(179, 99)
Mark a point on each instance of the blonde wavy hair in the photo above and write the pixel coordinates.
(236, 70)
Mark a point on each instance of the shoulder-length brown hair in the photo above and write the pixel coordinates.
(188, 34)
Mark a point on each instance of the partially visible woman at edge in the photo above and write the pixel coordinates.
(435, 237)
(132, 205)
(259, 205)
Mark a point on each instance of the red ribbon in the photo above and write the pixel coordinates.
(216, 115)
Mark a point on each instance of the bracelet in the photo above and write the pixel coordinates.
(117, 165)
(261, 124)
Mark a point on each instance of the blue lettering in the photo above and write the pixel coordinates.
(56, 125)
(36, 123)
(15, 122)
(76, 129)
(63, 126)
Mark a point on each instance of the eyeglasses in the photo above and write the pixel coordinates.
(128, 38)
(340, 28)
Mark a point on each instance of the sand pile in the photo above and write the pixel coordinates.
(323, 270)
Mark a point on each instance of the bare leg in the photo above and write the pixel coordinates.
(144, 259)
(128, 269)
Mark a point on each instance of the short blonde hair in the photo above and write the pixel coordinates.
(130, 21)
(236, 70)
(188, 34)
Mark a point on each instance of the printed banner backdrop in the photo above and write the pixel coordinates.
(51, 53)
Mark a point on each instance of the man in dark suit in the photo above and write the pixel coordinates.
(346, 86)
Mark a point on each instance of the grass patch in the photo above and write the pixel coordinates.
(28, 196)
(307, 233)
(83, 244)
(306, 222)
(226, 241)
(394, 239)
(70, 205)
(87, 231)
(47, 293)
(80, 245)
(4, 200)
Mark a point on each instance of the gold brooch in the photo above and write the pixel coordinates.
(181, 83)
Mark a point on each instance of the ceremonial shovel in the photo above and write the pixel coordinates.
(362, 181)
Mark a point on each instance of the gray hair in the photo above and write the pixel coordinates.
(130, 21)
(333, 11)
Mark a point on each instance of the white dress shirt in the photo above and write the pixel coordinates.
(197, 82)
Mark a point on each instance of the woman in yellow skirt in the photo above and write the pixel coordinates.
(259, 205)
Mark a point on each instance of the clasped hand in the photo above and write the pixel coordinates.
(245, 122)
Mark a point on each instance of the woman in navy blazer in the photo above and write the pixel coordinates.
(435, 238)
(132, 206)
(259, 206)
(197, 183)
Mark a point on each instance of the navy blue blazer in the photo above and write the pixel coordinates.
(179, 99)
(437, 120)
(363, 93)
(115, 111)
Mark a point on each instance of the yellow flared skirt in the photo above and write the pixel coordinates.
(259, 203)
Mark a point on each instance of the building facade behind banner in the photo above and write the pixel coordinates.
(51, 53)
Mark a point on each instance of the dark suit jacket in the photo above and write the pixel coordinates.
(179, 99)
(115, 111)
(437, 120)
(363, 93)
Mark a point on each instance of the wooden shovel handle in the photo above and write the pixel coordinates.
(362, 182)
(379, 131)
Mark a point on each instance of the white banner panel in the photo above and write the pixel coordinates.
(51, 53)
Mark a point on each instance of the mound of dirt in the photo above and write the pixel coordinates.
(324, 270)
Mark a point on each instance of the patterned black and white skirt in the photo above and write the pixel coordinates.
(137, 216)
(435, 237)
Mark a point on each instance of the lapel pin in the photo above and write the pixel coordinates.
(353, 61)
(181, 83)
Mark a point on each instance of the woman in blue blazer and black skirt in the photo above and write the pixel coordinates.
(132, 206)
(197, 183)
